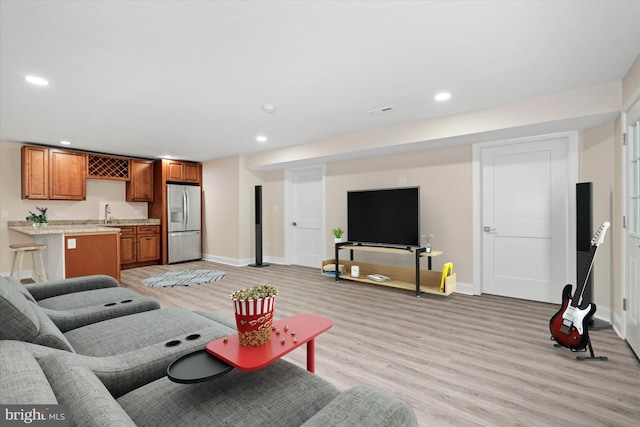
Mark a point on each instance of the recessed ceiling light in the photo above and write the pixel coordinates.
(37, 80)
(261, 138)
(268, 108)
(65, 142)
(442, 96)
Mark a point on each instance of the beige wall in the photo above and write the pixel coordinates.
(221, 224)
(444, 178)
(99, 192)
(597, 165)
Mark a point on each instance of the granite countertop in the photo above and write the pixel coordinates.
(78, 226)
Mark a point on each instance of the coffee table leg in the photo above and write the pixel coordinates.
(311, 355)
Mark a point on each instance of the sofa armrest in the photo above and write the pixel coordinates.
(364, 406)
(125, 372)
(53, 288)
(67, 320)
(90, 403)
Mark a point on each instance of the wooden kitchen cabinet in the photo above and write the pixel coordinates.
(140, 187)
(67, 175)
(178, 171)
(92, 253)
(148, 243)
(127, 245)
(35, 173)
(139, 245)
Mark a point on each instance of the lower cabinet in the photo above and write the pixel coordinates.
(139, 245)
(91, 253)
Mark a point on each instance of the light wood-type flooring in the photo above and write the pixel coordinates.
(458, 360)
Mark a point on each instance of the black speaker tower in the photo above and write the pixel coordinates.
(258, 206)
(584, 234)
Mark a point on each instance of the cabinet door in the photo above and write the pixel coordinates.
(89, 254)
(67, 175)
(148, 247)
(140, 188)
(35, 173)
(175, 171)
(191, 172)
(127, 245)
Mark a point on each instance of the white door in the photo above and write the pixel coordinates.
(307, 204)
(632, 280)
(524, 219)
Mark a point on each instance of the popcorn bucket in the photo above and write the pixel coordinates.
(254, 318)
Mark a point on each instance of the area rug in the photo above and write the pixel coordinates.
(183, 278)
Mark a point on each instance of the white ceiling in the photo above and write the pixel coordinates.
(189, 78)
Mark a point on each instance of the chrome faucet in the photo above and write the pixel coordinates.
(107, 211)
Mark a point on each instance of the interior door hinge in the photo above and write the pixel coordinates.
(624, 221)
(624, 304)
(624, 139)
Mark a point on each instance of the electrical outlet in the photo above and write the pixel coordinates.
(58, 213)
(402, 181)
(401, 257)
(5, 213)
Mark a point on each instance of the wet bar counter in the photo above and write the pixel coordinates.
(79, 248)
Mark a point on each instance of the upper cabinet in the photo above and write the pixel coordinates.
(140, 187)
(53, 174)
(182, 171)
(35, 173)
(67, 175)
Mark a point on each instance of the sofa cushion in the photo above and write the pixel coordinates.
(18, 316)
(49, 334)
(22, 381)
(129, 333)
(364, 406)
(282, 394)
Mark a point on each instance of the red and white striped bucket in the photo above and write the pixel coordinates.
(254, 318)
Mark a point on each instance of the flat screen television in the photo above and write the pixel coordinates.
(388, 216)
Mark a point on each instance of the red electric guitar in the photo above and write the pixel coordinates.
(569, 325)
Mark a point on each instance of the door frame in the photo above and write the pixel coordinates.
(631, 112)
(478, 235)
(288, 207)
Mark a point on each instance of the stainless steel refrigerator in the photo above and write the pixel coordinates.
(184, 223)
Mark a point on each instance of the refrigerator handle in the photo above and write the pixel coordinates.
(185, 207)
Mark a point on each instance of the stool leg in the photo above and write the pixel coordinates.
(13, 264)
(43, 273)
(34, 267)
(20, 254)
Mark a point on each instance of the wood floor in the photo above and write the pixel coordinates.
(458, 361)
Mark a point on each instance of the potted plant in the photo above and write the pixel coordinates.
(254, 314)
(337, 233)
(38, 220)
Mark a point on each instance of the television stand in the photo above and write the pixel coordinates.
(422, 281)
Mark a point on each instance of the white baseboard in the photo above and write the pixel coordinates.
(464, 288)
(235, 262)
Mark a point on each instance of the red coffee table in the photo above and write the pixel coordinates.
(304, 327)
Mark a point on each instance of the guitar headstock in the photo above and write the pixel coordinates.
(598, 238)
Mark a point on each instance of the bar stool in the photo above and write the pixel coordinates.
(19, 250)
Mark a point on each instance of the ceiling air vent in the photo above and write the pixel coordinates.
(381, 110)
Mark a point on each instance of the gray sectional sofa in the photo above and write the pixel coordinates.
(111, 368)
